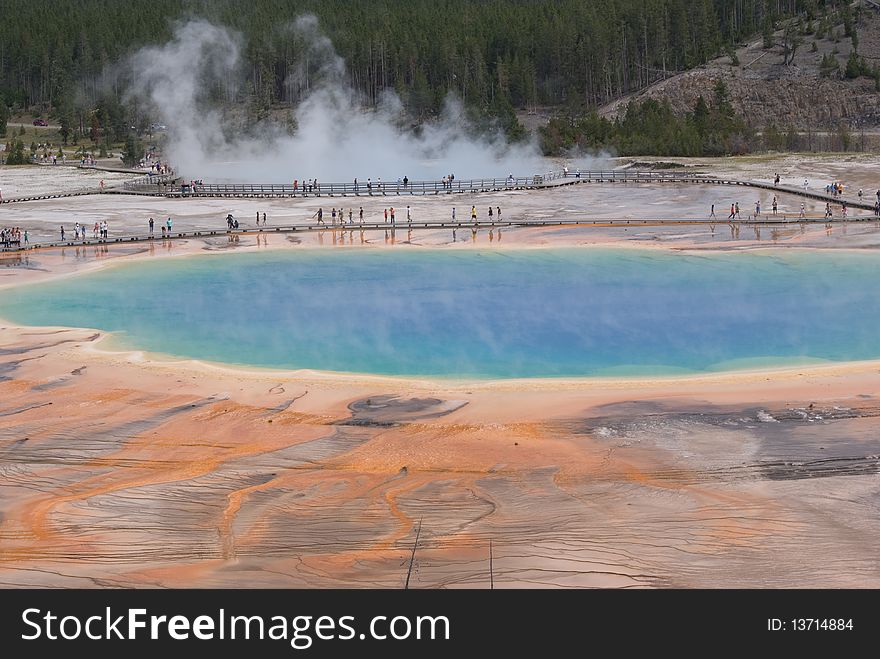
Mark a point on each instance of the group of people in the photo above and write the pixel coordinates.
(99, 231)
(166, 227)
(735, 213)
(156, 166)
(389, 215)
(834, 189)
(45, 158)
(338, 217)
(311, 186)
(14, 237)
(493, 214)
(829, 214)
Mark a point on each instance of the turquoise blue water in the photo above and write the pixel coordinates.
(483, 314)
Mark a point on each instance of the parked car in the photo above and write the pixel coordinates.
(40, 122)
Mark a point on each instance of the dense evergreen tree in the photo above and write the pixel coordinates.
(15, 153)
(133, 152)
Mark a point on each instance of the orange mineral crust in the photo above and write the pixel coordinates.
(126, 469)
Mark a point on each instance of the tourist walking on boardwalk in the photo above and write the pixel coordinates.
(168, 224)
(333, 217)
(350, 216)
(803, 210)
(732, 213)
(843, 210)
(258, 218)
(453, 213)
(737, 209)
(370, 187)
(712, 212)
(490, 213)
(775, 205)
(62, 232)
(391, 212)
(408, 215)
(386, 216)
(827, 210)
(151, 226)
(474, 213)
(361, 215)
(355, 184)
(498, 215)
(320, 215)
(758, 208)
(806, 184)
(776, 180)
(264, 219)
(26, 237)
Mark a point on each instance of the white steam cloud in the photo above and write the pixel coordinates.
(336, 137)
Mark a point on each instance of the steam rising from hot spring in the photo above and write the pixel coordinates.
(336, 136)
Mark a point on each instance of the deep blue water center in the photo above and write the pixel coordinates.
(482, 314)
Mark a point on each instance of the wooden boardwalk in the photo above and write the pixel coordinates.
(472, 186)
(168, 187)
(769, 222)
(50, 195)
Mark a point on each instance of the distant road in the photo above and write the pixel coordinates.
(14, 124)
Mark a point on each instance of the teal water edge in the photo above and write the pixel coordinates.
(479, 314)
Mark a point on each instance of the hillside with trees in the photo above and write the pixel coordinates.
(500, 57)
(811, 83)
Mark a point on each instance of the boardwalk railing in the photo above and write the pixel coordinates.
(169, 185)
(149, 182)
(769, 222)
(377, 188)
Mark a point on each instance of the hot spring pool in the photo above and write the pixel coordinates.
(479, 314)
